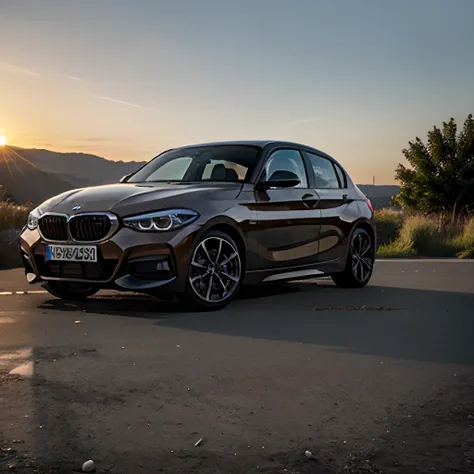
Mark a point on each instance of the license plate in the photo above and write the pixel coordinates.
(71, 253)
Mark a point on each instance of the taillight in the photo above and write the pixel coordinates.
(370, 205)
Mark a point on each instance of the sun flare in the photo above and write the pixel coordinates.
(3, 140)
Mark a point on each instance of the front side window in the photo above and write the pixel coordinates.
(324, 173)
(233, 171)
(286, 160)
(206, 163)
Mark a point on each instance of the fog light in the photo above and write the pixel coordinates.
(151, 268)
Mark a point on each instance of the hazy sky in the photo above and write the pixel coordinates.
(127, 79)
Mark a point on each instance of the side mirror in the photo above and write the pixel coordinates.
(124, 179)
(280, 179)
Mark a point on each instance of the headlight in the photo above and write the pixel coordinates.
(162, 220)
(33, 216)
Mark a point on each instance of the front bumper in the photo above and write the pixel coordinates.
(129, 260)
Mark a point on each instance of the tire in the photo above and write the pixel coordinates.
(215, 272)
(70, 291)
(360, 261)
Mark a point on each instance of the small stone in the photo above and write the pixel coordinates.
(77, 322)
(470, 417)
(12, 467)
(88, 466)
(309, 454)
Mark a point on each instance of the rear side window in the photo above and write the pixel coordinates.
(325, 176)
(341, 175)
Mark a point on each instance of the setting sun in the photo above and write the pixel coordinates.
(3, 140)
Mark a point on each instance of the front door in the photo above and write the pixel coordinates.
(287, 218)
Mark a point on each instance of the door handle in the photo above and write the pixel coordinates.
(309, 200)
(345, 197)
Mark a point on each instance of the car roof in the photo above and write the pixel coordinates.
(259, 143)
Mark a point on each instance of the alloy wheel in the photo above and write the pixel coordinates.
(362, 256)
(215, 270)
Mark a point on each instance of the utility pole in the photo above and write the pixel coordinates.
(373, 180)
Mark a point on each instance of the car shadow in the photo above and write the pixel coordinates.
(145, 306)
(424, 325)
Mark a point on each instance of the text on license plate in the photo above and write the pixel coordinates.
(71, 253)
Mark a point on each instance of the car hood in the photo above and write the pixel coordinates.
(130, 198)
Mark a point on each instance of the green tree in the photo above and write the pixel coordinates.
(441, 173)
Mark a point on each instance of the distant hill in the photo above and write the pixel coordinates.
(380, 196)
(80, 169)
(23, 182)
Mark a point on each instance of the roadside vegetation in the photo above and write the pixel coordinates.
(403, 234)
(12, 216)
(436, 197)
(12, 219)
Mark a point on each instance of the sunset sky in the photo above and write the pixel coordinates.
(128, 79)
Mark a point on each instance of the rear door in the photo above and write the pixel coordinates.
(329, 181)
(288, 218)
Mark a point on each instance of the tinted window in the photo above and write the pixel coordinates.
(205, 163)
(341, 175)
(324, 173)
(234, 171)
(286, 160)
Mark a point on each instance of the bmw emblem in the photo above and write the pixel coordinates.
(76, 208)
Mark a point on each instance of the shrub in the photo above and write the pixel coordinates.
(388, 224)
(465, 241)
(12, 216)
(430, 236)
(12, 219)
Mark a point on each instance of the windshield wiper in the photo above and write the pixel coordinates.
(169, 181)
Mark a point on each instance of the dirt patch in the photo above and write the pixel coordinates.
(357, 308)
(435, 437)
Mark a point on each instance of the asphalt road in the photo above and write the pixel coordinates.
(372, 380)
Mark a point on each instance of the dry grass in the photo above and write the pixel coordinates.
(388, 225)
(427, 236)
(12, 216)
(465, 241)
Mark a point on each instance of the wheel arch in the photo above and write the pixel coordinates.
(369, 227)
(232, 229)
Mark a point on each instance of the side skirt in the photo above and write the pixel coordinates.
(294, 273)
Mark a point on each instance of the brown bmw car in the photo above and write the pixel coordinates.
(200, 221)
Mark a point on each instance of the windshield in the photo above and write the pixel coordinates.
(206, 163)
